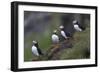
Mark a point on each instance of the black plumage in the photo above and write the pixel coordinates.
(80, 26)
(68, 34)
(38, 49)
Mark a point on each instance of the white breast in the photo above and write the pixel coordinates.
(63, 34)
(34, 51)
(77, 28)
(55, 38)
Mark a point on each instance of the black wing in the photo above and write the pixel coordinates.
(82, 27)
(40, 51)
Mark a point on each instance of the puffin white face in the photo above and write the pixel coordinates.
(34, 42)
(75, 21)
(55, 31)
(61, 27)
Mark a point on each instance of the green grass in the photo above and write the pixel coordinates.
(44, 43)
(80, 49)
(81, 46)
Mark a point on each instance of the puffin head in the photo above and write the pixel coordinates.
(55, 31)
(61, 27)
(75, 22)
(34, 42)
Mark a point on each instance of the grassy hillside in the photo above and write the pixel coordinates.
(80, 49)
(81, 46)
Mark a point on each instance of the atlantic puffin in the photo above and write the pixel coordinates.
(64, 33)
(36, 50)
(55, 37)
(77, 26)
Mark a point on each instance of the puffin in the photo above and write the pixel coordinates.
(36, 50)
(64, 34)
(55, 37)
(77, 26)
